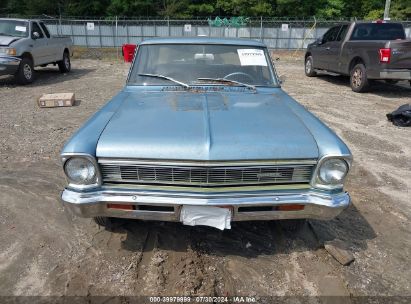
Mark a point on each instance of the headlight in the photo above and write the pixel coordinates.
(333, 171)
(8, 51)
(80, 171)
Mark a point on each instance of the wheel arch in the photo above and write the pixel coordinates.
(354, 61)
(27, 55)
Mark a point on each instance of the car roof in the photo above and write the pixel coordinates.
(203, 40)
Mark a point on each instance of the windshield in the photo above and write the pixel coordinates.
(13, 28)
(192, 64)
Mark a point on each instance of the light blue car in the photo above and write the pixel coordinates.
(203, 134)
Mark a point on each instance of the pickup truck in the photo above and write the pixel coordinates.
(365, 51)
(25, 44)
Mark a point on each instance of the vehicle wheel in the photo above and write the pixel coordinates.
(65, 64)
(309, 70)
(102, 221)
(293, 225)
(25, 72)
(358, 79)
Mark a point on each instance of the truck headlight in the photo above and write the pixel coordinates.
(333, 171)
(80, 171)
(8, 51)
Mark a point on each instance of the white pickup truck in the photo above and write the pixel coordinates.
(25, 44)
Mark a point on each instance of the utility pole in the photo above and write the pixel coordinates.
(387, 10)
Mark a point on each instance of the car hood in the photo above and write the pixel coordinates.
(206, 126)
(7, 40)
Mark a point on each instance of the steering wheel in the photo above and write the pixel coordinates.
(248, 76)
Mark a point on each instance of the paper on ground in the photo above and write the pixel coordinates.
(219, 218)
(252, 57)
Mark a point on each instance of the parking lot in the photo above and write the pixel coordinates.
(43, 251)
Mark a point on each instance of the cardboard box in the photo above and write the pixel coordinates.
(56, 100)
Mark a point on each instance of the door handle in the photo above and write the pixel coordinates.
(327, 48)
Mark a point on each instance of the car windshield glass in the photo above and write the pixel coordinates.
(199, 64)
(378, 31)
(13, 28)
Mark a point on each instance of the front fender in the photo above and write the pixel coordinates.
(86, 138)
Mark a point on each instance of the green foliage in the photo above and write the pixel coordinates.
(130, 8)
(332, 9)
(401, 9)
(232, 22)
(375, 14)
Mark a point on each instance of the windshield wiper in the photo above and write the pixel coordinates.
(228, 81)
(166, 77)
(5, 34)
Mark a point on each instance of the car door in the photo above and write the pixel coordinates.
(53, 45)
(334, 50)
(321, 49)
(40, 50)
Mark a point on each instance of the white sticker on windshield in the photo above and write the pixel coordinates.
(21, 28)
(252, 57)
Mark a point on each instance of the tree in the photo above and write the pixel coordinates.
(368, 9)
(131, 8)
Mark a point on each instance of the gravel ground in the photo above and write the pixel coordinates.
(43, 251)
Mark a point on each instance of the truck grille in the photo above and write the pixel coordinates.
(206, 176)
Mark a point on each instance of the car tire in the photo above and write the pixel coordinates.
(293, 225)
(308, 67)
(65, 64)
(358, 78)
(102, 221)
(25, 72)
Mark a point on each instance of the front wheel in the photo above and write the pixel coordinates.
(358, 78)
(25, 72)
(65, 64)
(309, 69)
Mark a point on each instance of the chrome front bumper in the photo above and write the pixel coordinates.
(166, 206)
(9, 65)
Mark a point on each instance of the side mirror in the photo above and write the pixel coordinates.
(282, 78)
(36, 35)
(319, 41)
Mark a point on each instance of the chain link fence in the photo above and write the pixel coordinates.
(287, 34)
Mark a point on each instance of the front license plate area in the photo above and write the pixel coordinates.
(216, 217)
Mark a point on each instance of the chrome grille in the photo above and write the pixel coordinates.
(204, 176)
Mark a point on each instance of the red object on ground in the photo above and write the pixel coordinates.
(128, 52)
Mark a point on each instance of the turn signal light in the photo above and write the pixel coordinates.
(385, 55)
(291, 207)
(120, 206)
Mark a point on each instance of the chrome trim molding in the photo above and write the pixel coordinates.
(224, 163)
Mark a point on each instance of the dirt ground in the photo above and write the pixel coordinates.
(43, 251)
